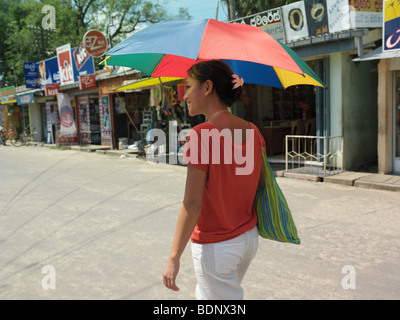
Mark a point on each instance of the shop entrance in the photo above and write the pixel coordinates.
(396, 125)
(89, 120)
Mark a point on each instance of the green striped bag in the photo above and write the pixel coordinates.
(274, 219)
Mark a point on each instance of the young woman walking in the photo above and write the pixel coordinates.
(217, 212)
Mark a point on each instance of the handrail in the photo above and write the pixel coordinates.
(312, 152)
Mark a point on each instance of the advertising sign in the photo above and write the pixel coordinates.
(366, 13)
(391, 26)
(338, 15)
(270, 21)
(95, 43)
(25, 99)
(317, 17)
(48, 70)
(295, 21)
(7, 95)
(105, 120)
(67, 122)
(65, 66)
(52, 89)
(87, 81)
(31, 71)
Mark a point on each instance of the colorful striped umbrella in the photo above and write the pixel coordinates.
(170, 48)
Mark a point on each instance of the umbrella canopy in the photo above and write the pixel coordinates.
(146, 83)
(170, 48)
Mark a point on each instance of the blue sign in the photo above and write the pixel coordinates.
(31, 75)
(25, 99)
(47, 71)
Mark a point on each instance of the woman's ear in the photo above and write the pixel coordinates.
(208, 87)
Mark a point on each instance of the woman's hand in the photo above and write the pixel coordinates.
(170, 272)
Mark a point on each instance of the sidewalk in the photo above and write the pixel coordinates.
(349, 178)
(367, 180)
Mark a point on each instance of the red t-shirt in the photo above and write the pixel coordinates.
(233, 171)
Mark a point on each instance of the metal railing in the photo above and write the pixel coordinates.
(315, 155)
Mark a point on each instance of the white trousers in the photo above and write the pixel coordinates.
(220, 267)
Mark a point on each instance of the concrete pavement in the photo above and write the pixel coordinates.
(386, 182)
(101, 227)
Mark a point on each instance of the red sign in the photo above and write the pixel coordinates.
(52, 89)
(95, 43)
(65, 64)
(81, 56)
(87, 81)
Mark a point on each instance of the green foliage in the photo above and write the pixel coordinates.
(245, 8)
(23, 39)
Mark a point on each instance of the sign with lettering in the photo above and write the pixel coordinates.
(270, 21)
(25, 99)
(31, 72)
(95, 43)
(317, 17)
(7, 95)
(366, 13)
(87, 81)
(65, 64)
(338, 15)
(391, 26)
(52, 89)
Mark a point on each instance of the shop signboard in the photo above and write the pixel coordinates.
(48, 70)
(317, 17)
(338, 15)
(7, 95)
(391, 26)
(95, 43)
(25, 99)
(65, 66)
(80, 56)
(295, 21)
(270, 21)
(87, 81)
(31, 72)
(366, 13)
(52, 89)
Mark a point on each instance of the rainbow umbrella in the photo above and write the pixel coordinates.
(170, 48)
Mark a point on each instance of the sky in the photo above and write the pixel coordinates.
(199, 9)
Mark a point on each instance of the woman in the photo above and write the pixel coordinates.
(217, 212)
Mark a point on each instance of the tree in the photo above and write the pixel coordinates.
(245, 8)
(25, 40)
(119, 18)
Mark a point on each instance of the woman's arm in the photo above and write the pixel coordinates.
(187, 219)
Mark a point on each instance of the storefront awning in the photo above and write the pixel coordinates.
(146, 83)
(379, 54)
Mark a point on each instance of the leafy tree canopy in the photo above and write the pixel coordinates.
(24, 39)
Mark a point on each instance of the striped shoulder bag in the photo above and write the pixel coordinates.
(274, 219)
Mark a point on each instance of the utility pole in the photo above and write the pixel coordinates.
(216, 13)
(232, 10)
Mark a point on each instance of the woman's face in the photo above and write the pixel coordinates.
(194, 96)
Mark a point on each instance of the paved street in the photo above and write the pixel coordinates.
(80, 225)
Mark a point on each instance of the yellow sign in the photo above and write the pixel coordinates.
(366, 5)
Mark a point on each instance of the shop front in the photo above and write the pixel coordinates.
(88, 108)
(297, 110)
(15, 117)
(388, 109)
(396, 125)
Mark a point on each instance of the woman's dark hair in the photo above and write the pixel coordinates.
(221, 76)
